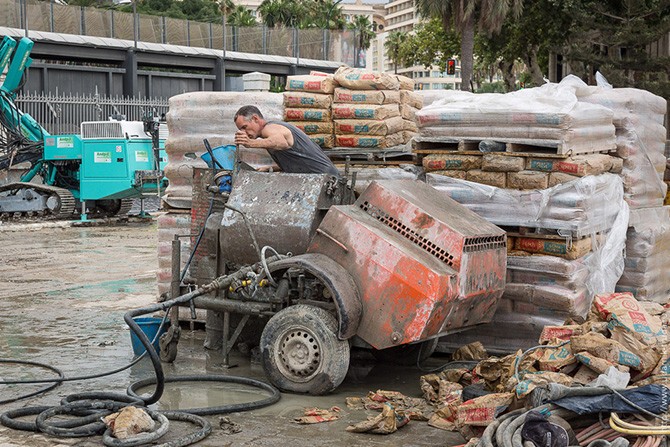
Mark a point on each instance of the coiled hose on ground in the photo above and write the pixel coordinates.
(88, 408)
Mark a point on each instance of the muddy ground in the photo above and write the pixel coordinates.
(63, 293)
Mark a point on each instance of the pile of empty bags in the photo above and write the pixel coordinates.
(562, 386)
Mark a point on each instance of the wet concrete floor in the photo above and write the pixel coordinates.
(63, 293)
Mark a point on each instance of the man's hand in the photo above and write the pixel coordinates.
(242, 138)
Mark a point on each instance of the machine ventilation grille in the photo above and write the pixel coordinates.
(483, 243)
(103, 129)
(408, 233)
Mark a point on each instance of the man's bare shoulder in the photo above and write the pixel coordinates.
(275, 128)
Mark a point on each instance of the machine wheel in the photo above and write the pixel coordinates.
(301, 353)
(407, 355)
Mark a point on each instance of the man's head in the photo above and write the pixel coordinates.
(250, 120)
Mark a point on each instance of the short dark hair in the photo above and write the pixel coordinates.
(247, 112)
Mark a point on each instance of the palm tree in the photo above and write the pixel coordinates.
(463, 15)
(363, 26)
(288, 13)
(392, 46)
(240, 16)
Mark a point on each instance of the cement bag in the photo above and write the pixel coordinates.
(579, 165)
(307, 100)
(411, 99)
(170, 224)
(626, 100)
(365, 111)
(307, 83)
(197, 115)
(369, 127)
(314, 127)
(369, 141)
(408, 112)
(575, 303)
(405, 82)
(307, 115)
(325, 141)
(410, 126)
(359, 79)
(366, 96)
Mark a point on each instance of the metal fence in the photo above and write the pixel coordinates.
(62, 114)
(87, 21)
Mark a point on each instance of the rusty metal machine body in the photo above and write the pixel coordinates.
(424, 265)
(399, 267)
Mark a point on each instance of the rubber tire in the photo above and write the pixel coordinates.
(407, 355)
(333, 353)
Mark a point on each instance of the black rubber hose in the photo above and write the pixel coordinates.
(91, 429)
(275, 395)
(49, 387)
(191, 438)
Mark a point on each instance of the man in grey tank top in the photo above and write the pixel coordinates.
(288, 146)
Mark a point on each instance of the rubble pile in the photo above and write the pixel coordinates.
(622, 345)
(307, 105)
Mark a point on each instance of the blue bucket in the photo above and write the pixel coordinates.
(150, 327)
(225, 155)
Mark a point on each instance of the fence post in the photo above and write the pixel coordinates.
(82, 21)
(265, 39)
(51, 16)
(188, 33)
(164, 34)
(211, 36)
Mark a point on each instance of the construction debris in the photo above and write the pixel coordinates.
(316, 416)
(128, 422)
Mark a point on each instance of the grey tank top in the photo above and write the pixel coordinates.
(305, 157)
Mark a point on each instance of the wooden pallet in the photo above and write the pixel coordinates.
(513, 147)
(396, 153)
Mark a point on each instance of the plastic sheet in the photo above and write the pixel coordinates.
(640, 137)
(581, 207)
(648, 255)
(197, 115)
(551, 112)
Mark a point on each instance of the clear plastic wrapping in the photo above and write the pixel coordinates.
(198, 115)
(638, 116)
(550, 112)
(589, 204)
(646, 272)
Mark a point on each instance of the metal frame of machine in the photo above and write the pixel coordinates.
(395, 270)
(99, 170)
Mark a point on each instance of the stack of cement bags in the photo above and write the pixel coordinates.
(547, 115)
(640, 140)
(505, 170)
(366, 109)
(191, 118)
(307, 102)
(566, 217)
(646, 274)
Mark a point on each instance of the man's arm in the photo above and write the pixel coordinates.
(273, 136)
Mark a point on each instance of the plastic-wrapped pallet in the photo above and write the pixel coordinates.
(547, 290)
(308, 101)
(580, 207)
(364, 176)
(198, 115)
(641, 140)
(546, 115)
(648, 255)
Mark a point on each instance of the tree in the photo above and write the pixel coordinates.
(429, 45)
(464, 15)
(392, 45)
(240, 16)
(363, 27)
(288, 13)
